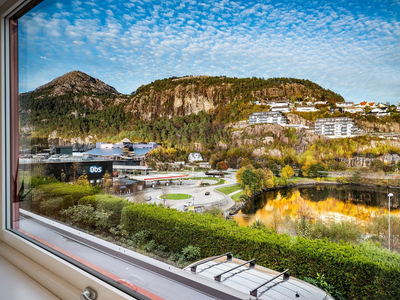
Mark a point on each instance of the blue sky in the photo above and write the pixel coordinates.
(350, 47)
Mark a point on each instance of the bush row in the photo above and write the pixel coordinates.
(349, 268)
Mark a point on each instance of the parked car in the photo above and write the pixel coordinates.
(207, 193)
(148, 198)
(54, 158)
(88, 158)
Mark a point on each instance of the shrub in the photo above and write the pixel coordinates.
(85, 216)
(52, 207)
(88, 200)
(113, 206)
(67, 202)
(191, 253)
(322, 284)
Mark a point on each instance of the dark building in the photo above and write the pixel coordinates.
(61, 150)
(94, 170)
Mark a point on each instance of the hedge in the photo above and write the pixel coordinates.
(112, 205)
(351, 269)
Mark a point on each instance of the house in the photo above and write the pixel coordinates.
(66, 150)
(339, 109)
(278, 103)
(345, 104)
(306, 108)
(379, 112)
(282, 109)
(268, 117)
(195, 156)
(335, 127)
(354, 110)
(204, 165)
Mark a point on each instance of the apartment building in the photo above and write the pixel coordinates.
(268, 117)
(335, 127)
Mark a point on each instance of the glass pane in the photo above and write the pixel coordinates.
(132, 114)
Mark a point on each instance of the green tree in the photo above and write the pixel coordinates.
(283, 180)
(314, 169)
(356, 177)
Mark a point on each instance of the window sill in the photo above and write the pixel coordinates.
(47, 269)
(27, 287)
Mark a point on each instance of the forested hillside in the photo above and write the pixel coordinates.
(78, 105)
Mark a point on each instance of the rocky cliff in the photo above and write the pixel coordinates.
(183, 96)
(378, 127)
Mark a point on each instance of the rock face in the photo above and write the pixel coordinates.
(262, 135)
(378, 127)
(180, 101)
(183, 96)
(295, 119)
(365, 162)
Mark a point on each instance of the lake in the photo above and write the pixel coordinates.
(328, 203)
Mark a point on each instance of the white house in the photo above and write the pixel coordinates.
(335, 127)
(195, 156)
(345, 104)
(283, 109)
(306, 108)
(354, 110)
(278, 103)
(268, 117)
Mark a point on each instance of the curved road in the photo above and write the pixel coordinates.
(192, 188)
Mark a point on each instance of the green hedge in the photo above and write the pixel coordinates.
(63, 189)
(347, 267)
(112, 205)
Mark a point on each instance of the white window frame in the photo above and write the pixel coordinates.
(60, 277)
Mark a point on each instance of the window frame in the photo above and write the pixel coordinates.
(63, 279)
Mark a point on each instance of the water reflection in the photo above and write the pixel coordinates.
(332, 203)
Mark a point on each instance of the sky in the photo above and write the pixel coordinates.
(349, 47)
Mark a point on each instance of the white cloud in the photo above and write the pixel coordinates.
(349, 53)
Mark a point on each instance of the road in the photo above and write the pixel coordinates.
(192, 188)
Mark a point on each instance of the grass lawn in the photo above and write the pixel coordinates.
(176, 196)
(229, 189)
(237, 195)
(221, 181)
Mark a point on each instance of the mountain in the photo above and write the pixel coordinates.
(219, 95)
(76, 82)
(78, 105)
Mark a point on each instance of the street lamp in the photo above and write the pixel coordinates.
(389, 195)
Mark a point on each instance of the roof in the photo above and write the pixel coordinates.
(141, 151)
(105, 152)
(247, 277)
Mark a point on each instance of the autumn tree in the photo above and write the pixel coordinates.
(287, 172)
(107, 182)
(222, 166)
(82, 180)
